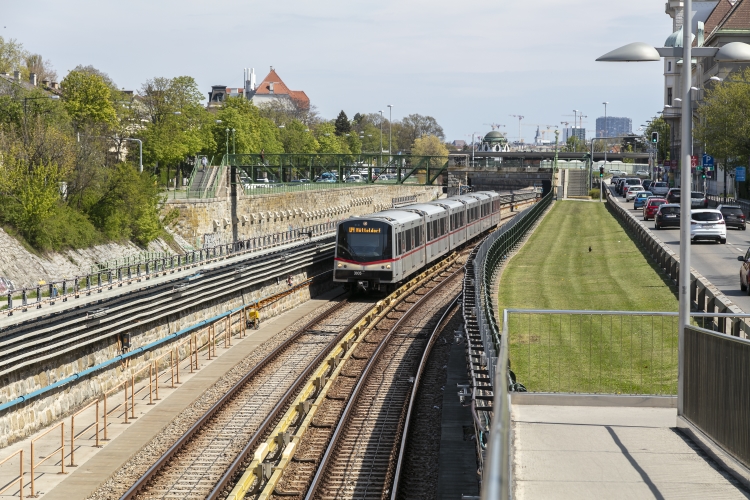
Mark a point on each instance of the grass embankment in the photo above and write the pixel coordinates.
(580, 257)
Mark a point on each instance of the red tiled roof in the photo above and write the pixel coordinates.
(280, 88)
(726, 15)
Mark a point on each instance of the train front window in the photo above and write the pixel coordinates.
(364, 241)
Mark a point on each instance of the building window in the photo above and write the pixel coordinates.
(669, 66)
(669, 96)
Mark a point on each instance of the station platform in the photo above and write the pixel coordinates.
(95, 465)
(586, 452)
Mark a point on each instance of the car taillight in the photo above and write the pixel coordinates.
(742, 217)
(721, 222)
(692, 223)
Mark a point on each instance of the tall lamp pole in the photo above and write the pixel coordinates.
(390, 128)
(606, 132)
(227, 141)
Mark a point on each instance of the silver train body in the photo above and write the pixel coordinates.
(382, 249)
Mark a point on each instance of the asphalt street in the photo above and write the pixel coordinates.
(716, 262)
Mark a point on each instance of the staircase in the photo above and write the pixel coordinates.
(201, 181)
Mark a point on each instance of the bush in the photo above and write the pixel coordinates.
(67, 228)
(594, 193)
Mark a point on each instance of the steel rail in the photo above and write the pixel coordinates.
(413, 397)
(142, 482)
(346, 415)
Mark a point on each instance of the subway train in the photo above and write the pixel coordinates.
(376, 252)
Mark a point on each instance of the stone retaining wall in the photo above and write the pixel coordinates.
(42, 411)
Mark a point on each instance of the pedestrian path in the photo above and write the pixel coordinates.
(580, 452)
(55, 478)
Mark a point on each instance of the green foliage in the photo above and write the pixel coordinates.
(296, 138)
(342, 124)
(12, 55)
(429, 145)
(594, 193)
(327, 140)
(251, 133)
(129, 207)
(723, 125)
(661, 126)
(67, 228)
(87, 99)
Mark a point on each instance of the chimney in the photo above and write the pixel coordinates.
(45, 83)
(32, 79)
(17, 76)
(270, 88)
(252, 79)
(54, 85)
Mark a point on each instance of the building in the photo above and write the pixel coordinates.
(494, 141)
(715, 23)
(613, 126)
(569, 132)
(459, 143)
(271, 89)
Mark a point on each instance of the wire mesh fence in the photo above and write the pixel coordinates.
(594, 352)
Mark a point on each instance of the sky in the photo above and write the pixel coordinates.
(469, 64)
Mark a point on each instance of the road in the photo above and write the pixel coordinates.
(717, 263)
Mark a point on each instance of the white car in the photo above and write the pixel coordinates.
(642, 173)
(355, 178)
(707, 224)
(632, 191)
(659, 188)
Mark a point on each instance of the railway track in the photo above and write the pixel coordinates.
(362, 409)
(200, 457)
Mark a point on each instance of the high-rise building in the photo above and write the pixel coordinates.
(569, 132)
(613, 126)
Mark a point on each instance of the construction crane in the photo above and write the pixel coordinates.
(519, 125)
(494, 126)
(545, 130)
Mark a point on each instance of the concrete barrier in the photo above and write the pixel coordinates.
(704, 295)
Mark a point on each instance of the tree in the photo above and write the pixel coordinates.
(327, 140)
(12, 55)
(429, 145)
(87, 99)
(252, 132)
(297, 139)
(662, 127)
(342, 124)
(413, 127)
(723, 124)
(43, 69)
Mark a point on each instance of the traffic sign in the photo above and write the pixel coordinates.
(708, 161)
(693, 161)
(739, 174)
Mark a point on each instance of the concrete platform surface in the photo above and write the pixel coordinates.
(96, 465)
(579, 452)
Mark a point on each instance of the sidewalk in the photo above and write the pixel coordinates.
(584, 452)
(126, 440)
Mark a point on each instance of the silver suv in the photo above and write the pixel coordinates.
(659, 188)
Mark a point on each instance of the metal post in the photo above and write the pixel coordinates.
(687, 138)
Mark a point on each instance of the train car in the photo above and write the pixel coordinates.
(472, 222)
(436, 229)
(485, 213)
(456, 219)
(495, 207)
(379, 249)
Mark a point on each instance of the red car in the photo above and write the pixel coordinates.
(651, 206)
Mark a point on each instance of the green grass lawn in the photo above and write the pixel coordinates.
(588, 353)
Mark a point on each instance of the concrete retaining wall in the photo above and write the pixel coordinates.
(704, 295)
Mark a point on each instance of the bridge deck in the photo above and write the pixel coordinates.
(610, 452)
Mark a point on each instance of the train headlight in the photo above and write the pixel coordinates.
(340, 264)
(388, 266)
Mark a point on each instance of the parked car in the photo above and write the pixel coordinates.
(673, 195)
(698, 200)
(651, 206)
(629, 183)
(632, 191)
(642, 173)
(640, 199)
(355, 178)
(659, 188)
(667, 215)
(733, 216)
(744, 269)
(707, 224)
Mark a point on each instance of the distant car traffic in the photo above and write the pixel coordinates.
(633, 191)
(628, 183)
(355, 178)
(667, 215)
(707, 224)
(642, 173)
(640, 199)
(698, 200)
(673, 195)
(651, 206)
(733, 216)
(659, 188)
(647, 184)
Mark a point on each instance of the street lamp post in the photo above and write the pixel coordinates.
(606, 132)
(634, 52)
(234, 144)
(390, 128)
(226, 148)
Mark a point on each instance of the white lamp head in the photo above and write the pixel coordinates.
(632, 52)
